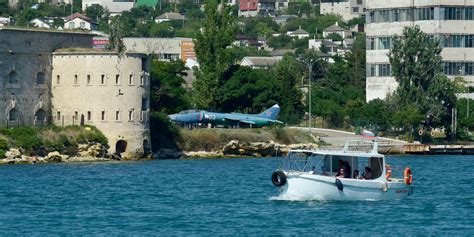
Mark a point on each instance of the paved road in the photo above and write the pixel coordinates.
(338, 138)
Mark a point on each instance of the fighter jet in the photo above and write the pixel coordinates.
(202, 117)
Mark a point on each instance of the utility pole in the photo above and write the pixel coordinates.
(310, 65)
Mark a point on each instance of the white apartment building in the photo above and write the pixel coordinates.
(450, 21)
(348, 9)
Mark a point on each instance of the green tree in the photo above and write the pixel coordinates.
(417, 67)
(356, 63)
(167, 93)
(212, 54)
(95, 12)
(288, 75)
(408, 117)
(248, 90)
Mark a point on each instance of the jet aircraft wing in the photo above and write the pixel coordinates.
(247, 121)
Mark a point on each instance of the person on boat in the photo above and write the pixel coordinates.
(367, 173)
(340, 173)
(345, 167)
(313, 170)
(356, 174)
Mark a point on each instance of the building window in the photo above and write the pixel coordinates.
(12, 77)
(130, 79)
(102, 115)
(82, 25)
(130, 115)
(58, 115)
(76, 115)
(117, 115)
(141, 80)
(58, 79)
(384, 70)
(75, 80)
(40, 78)
(359, 2)
(355, 9)
(89, 115)
(102, 79)
(144, 104)
(117, 79)
(385, 42)
(71, 25)
(88, 79)
(370, 44)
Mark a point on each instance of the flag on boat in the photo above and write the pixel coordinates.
(368, 134)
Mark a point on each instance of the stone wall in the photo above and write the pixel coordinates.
(25, 72)
(107, 90)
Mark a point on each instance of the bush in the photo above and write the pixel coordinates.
(164, 134)
(2, 154)
(3, 144)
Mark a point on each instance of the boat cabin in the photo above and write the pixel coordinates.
(345, 163)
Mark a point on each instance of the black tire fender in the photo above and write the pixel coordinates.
(339, 185)
(278, 178)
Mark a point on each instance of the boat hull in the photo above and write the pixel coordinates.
(318, 187)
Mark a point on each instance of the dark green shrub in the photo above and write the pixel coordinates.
(164, 134)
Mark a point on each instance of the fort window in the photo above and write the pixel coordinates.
(12, 77)
(13, 115)
(130, 115)
(89, 115)
(102, 79)
(58, 115)
(117, 115)
(117, 78)
(102, 115)
(75, 79)
(40, 78)
(144, 104)
(58, 79)
(141, 80)
(130, 80)
(76, 115)
(88, 79)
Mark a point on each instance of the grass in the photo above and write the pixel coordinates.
(215, 139)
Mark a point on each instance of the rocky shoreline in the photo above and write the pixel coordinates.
(91, 152)
(236, 148)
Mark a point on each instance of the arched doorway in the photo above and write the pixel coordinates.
(13, 115)
(120, 146)
(40, 117)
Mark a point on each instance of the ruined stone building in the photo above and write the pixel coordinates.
(50, 77)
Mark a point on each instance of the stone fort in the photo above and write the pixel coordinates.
(50, 77)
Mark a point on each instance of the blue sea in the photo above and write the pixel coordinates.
(223, 197)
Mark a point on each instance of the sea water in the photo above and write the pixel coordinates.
(223, 197)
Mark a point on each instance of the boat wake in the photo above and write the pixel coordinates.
(294, 198)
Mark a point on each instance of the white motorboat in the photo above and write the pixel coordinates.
(335, 174)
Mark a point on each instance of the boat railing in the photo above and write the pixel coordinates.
(360, 146)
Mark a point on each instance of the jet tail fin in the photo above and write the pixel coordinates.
(270, 113)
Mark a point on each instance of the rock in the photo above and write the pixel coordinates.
(53, 157)
(167, 154)
(13, 153)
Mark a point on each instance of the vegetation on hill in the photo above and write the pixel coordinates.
(40, 141)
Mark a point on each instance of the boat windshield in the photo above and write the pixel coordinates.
(330, 164)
